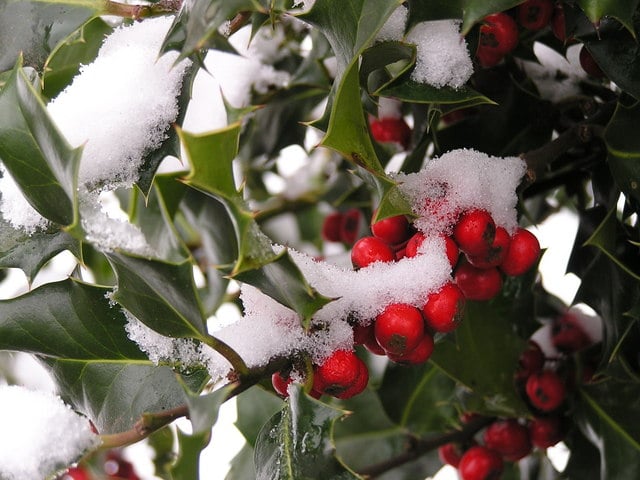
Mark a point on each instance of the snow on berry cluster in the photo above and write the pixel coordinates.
(546, 384)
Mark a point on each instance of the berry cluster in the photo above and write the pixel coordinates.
(114, 466)
(545, 384)
(499, 32)
(342, 226)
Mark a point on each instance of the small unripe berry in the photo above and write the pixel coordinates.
(368, 250)
(480, 463)
(478, 283)
(391, 230)
(545, 390)
(399, 328)
(443, 309)
(475, 231)
(508, 438)
(523, 253)
(535, 14)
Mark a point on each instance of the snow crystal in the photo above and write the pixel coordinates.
(15, 208)
(121, 106)
(442, 55)
(460, 180)
(393, 28)
(40, 435)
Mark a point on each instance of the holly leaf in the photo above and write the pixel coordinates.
(624, 149)
(482, 355)
(255, 407)
(621, 10)
(410, 91)
(187, 465)
(242, 467)
(203, 409)
(79, 48)
(79, 335)
(35, 153)
(296, 442)
(162, 295)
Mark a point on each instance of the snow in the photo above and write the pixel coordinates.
(442, 55)
(393, 28)
(40, 434)
(15, 208)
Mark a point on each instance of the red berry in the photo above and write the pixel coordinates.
(480, 463)
(391, 129)
(496, 253)
(475, 231)
(368, 250)
(535, 14)
(350, 226)
(478, 283)
(450, 454)
(391, 230)
(498, 34)
(76, 473)
(530, 361)
(281, 384)
(414, 243)
(508, 438)
(338, 373)
(545, 390)
(399, 328)
(567, 335)
(331, 227)
(545, 432)
(443, 310)
(523, 253)
(452, 251)
(358, 385)
(487, 57)
(117, 467)
(559, 23)
(418, 355)
(588, 63)
(365, 336)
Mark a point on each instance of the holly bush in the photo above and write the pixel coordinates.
(217, 223)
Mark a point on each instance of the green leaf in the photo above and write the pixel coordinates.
(203, 409)
(608, 414)
(375, 69)
(30, 253)
(79, 48)
(623, 10)
(242, 467)
(187, 466)
(282, 280)
(255, 406)
(161, 295)
(410, 91)
(33, 29)
(418, 398)
(616, 53)
(624, 148)
(35, 153)
(295, 444)
(80, 336)
(482, 354)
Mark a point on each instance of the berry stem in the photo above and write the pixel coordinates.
(420, 446)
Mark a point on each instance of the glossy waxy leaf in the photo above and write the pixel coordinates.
(34, 28)
(410, 91)
(80, 336)
(255, 407)
(203, 409)
(482, 354)
(296, 442)
(161, 295)
(607, 412)
(620, 9)
(624, 149)
(187, 465)
(242, 467)
(36, 154)
(79, 48)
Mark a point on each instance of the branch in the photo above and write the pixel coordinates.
(422, 446)
(137, 12)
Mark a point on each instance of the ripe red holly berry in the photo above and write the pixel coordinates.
(531, 361)
(474, 232)
(117, 467)
(391, 130)
(443, 309)
(487, 57)
(588, 63)
(331, 227)
(545, 390)
(522, 254)
(450, 454)
(451, 247)
(545, 432)
(567, 334)
(418, 355)
(358, 385)
(365, 336)
(496, 253)
(350, 226)
(392, 230)
(76, 473)
(509, 438)
(535, 14)
(368, 250)
(559, 22)
(281, 383)
(399, 328)
(498, 36)
(480, 463)
(478, 283)
(340, 373)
